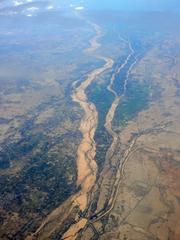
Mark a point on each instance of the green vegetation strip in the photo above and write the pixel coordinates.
(135, 100)
(102, 98)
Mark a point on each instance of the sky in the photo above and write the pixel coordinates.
(32, 7)
(137, 5)
(158, 5)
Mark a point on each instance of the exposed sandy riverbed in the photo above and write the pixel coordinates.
(86, 164)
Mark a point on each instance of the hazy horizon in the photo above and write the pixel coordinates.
(130, 5)
(32, 7)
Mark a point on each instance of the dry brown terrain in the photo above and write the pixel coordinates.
(86, 164)
(137, 193)
(90, 135)
(146, 205)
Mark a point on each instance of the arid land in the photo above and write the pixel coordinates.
(100, 158)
